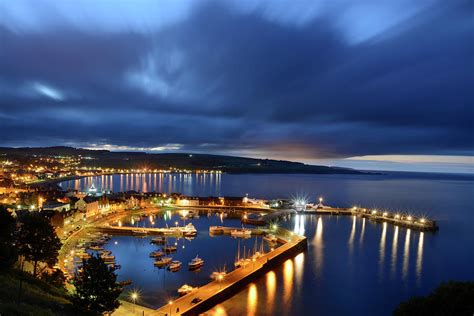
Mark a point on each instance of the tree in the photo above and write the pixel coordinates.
(451, 298)
(37, 241)
(97, 290)
(8, 254)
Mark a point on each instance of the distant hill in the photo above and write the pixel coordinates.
(139, 160)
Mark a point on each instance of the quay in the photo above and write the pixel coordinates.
(140, 231)
(221, 230)
(217, 291)
(404, 220)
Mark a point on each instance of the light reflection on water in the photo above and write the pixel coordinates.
(406, 254)
(353, 231)
(252, 300)
(287, 280)
(271, 289)
(318, 246)
(393, 264)
(382, 249)
(419, 257)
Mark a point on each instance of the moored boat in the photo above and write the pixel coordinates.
(185, 289)
(162, 262)
(174, 266)
(196, 263)
(156, 254)
(158, 240)
(189, 230)
(169, 249)
(241, 232)
(270, 238)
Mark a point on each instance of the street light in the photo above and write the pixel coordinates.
(134, 296)
(170, 303)
(221, 277)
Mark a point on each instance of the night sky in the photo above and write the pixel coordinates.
(388, 84)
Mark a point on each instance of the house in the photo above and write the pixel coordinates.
(187, 201)
(56, 206)
(88, 205)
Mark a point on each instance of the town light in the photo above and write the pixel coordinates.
(320, 200)
(374, 212)
(422, 220)
(397, 216)
(409, 218)
(385, 214)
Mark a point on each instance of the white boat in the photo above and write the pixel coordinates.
(216, 229)
(270, 238)
(156, 254)
(189, 230)
(185, 289)
(196, 263)
(158, 240)
(163, 262)
(169, 249)
(174, 266)
(241, 232)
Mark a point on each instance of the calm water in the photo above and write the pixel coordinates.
(351, 266)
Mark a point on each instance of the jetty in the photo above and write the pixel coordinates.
(140, 231)
(399, 219)
(219, 290)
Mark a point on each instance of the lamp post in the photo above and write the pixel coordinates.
(220, 281)
(134, 297)
(170, 303)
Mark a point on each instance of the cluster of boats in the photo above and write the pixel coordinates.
(174, 265)
(248, 256)
(94, 242)
(237, 232)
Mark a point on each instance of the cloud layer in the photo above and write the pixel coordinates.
(314, 80)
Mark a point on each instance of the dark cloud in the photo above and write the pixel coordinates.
(228, 80)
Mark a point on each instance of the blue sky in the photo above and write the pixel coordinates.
(365, 84)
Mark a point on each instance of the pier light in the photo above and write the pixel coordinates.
(374, 212)
(274, 226)
(422, 220)
(410, 218)
(176, 223)
(397, 216)
(320, 200)
(385, 214)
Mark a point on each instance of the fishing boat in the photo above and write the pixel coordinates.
(174, 266)
(216, 230)
(162, 262)
(169, 249)
(96, 248)
(244, 232)
(189, 230)
(156, 254)
(270, 238)
(196, 263)
(185, 289)
(158, 240)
